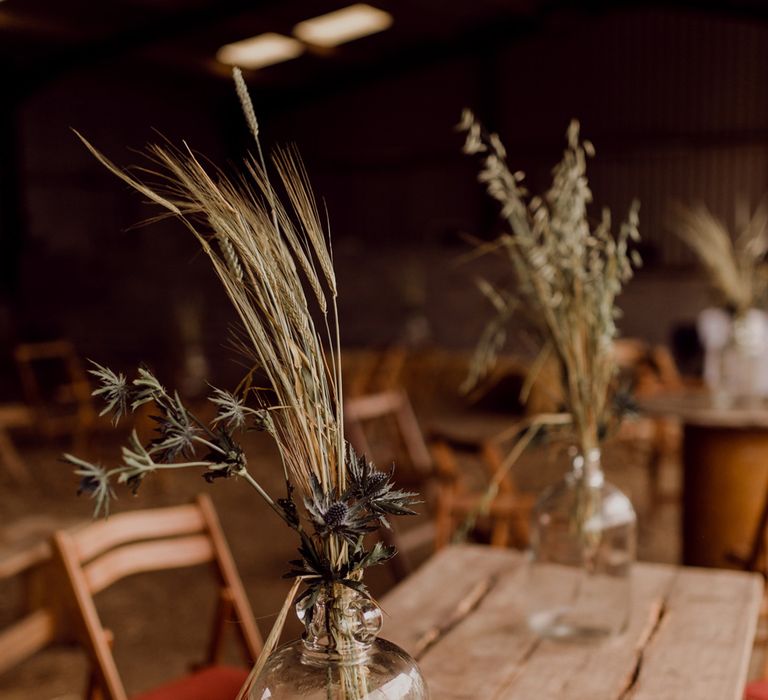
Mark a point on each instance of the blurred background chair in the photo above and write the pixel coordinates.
(507, 515)
(14, 416)
(384, 428)
(648, 371)
(372, 370)
(94, 557)
(39, 624)
(57, 389)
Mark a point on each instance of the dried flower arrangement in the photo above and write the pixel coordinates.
(568, 274)
(737, 268)
(264, 251)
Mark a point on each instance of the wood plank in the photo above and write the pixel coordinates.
(421, 606)
(147, 556)
(601, 670)
(14, 560)
(702, 647)
(462, 616)
(481, 654)
(16, 415)
(24, 543)
(102, 535)
(25, 637)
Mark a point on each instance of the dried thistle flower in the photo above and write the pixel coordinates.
(568, 273)
(177, 432)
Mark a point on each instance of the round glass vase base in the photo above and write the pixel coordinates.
(383, 672)
(561, 624)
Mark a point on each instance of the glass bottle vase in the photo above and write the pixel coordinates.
(339, 656)
(583, 542)
(743, 366)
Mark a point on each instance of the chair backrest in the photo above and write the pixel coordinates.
(56, 386)
(389, 416)
(368, 371)
(94, 557)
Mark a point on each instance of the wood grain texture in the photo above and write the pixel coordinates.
(147, 556)
(462, 616)
(99, 536)
(25, 637)
(15, 560)
(725, 472)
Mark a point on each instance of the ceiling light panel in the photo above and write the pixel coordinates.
(343, 25)
(260, 51)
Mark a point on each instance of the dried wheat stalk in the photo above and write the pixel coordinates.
(265, 250)
(568, 272)
(737, 268)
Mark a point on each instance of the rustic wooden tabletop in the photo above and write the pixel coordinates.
(461, 615)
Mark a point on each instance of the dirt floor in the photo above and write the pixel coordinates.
(160, 620)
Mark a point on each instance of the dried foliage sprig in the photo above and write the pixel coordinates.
(266, 251)
(737, 268)
(568, 272)
(183, 441)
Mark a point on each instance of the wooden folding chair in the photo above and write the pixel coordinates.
(94, 557)
(652, 371)
(12, 416)
(57, 388)
(370, 371)
(508, 512)
(384, 427)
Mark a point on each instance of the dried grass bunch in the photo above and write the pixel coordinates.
(568, 274)
(266, 251)
(737, 268)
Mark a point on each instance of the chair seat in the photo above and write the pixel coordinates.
(510, 505)
(757, 690)
(212, 683)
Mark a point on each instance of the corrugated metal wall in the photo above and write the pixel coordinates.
(675, 102)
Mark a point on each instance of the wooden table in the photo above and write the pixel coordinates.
(461, 615)
(725, 476)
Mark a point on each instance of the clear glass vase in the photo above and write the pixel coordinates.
(743, 364)
(583, 541)
(339, 656)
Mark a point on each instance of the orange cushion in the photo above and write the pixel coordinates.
(757, 690)
(212, 683)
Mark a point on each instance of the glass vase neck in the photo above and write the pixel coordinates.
(588, 466)
(340, 624)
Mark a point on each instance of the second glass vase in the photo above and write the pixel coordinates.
(583, 541)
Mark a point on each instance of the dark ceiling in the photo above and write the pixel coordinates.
(43, 39)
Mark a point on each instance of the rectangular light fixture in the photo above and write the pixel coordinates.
(260, 51)
(343, 25)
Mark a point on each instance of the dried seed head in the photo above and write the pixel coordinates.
(336, 514)
(376, 481)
